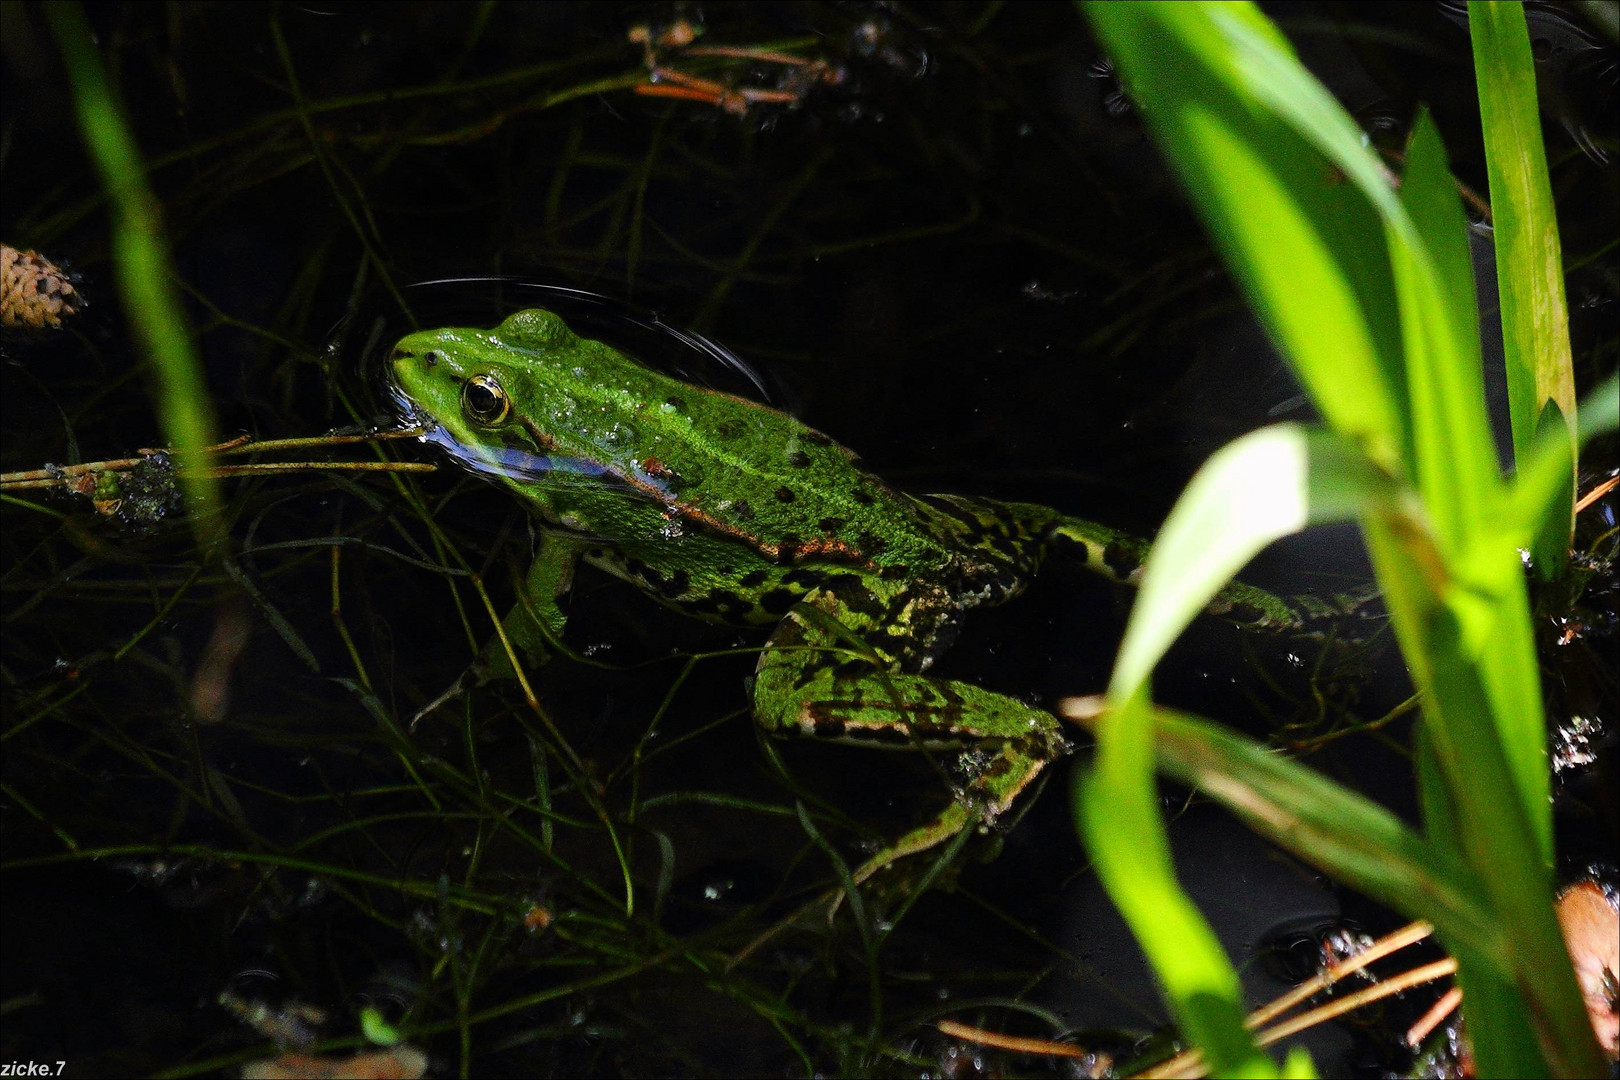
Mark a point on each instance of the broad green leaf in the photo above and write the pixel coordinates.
(1529, 265)
(1298, 1065)
(1368, 291)
(1365, 846)
(1457, 472)
(1508, 1045)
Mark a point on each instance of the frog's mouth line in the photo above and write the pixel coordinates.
(518, 463)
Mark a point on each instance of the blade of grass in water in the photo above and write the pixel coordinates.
(145, 275)
(1366, 289)
(1529, 262)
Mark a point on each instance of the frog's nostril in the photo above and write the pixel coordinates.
(431, 358)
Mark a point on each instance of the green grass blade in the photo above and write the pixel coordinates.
(1463, 788)
(1119, 820)
(1456, 470)
(1265, 485)
(1331, 827)
(1305, 245)
(1369, 292)
(1509, 1048)
(145, 275)
(1529, 262)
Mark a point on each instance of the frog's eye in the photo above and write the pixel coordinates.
(483, 400)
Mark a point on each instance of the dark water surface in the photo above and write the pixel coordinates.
(960, 257)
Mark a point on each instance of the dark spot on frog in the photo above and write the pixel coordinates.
(668, 587)
(1001, 543)
(1243, 612)
(676, 584)
(742, 511)
(816, 438)
(854, 595)
(824, 725)
(785, 495)
(731, 429)
(777, 601)
(799, 459)
(1121, 559)
(997, 768)
(675, 403)
(729, 604)
(898, 572)
(862, 496)
(851, 669)
(831, 524)
(805, 579)
(752, 578)
(702, 605)
(871, 543)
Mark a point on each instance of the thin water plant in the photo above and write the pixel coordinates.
(1364, 282)
(145, 271)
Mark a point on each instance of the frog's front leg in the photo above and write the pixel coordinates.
(814, 680)
(533, 627)
(535, 624)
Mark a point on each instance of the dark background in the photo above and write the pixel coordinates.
(963, 259)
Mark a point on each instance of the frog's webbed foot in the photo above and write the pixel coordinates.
(810, 681)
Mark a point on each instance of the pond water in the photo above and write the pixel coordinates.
(937, 234)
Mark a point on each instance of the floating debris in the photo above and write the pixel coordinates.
(1591, 925)
(34, 292)
(400, 1063)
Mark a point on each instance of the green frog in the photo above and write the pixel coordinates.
(731, 511)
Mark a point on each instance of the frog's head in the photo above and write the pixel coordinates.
(530, 386)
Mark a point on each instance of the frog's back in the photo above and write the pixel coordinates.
(711, 461)
(704, 498)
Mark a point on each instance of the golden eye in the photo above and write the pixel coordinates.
(483, 400)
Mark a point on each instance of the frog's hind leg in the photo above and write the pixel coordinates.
(819, 677)
(1119, 556)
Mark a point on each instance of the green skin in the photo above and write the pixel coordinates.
(730, 511)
